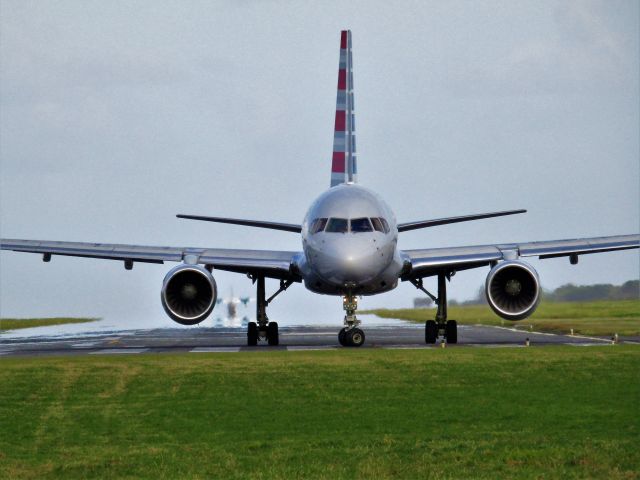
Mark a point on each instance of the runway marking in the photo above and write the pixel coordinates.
(495, 345)
(84, 344)
(215, 350)
(300, 348)
(306, 334)
(513, 329)
(407, 347)
(114, 351)
(588, 344)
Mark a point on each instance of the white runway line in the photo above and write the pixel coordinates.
(588, 344)
(302, 348)
(495, 345)
(84, 344)
(306, 334)
(597, 339)
(408, 347)
(114, 351)
(215, 350)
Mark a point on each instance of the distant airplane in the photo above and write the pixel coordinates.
(232, 303)
(349, 248)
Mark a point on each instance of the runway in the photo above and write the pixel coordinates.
(294, 338)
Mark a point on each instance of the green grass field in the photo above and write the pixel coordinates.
(586, 318)
(16, 323)
(554, 412)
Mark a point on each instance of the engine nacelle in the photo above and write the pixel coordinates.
(513, 290)
(188, 294)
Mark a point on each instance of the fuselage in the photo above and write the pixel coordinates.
(349, 238)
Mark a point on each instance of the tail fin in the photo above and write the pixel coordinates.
(343, 168)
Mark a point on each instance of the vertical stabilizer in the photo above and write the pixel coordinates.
(343, 167)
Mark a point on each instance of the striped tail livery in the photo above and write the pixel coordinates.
(343, 167)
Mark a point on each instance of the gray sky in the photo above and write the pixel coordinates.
(115, 116)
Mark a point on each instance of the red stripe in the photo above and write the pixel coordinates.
(337, 166)
(343, 39)
(341, 121)
(342, 79)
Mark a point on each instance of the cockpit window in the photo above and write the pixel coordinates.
(317, 225)
(380, 225)
(359, 225)
(377, 225)
(337, 225)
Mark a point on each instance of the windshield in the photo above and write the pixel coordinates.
(317, 225)
(337, 225)
(359, 225)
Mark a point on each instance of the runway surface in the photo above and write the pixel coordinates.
(175, 340)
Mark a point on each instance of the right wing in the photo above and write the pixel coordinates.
(270, 263)
(287, 227)
(428, 262)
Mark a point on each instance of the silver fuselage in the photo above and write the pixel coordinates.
(363, 263)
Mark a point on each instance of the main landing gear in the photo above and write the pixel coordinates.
(263, 329)
(350, 335)
(440, 326)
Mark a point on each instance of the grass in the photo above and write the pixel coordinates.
(586, 318)
(556, 412)
(16, 323)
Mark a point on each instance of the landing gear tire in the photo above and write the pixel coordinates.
(355, 337)
(451, 331)
(252, 334)
(342, 337)
(430, 331)
(272, 333)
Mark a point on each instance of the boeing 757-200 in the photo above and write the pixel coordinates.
(349, 248)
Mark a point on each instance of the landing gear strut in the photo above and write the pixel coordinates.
(262, 328)
(433, 328)
(350, 335)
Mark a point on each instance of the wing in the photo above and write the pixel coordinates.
(424, 263)
(404, 227)
(286, 227)
(271, 263)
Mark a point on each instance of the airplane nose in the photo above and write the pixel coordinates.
(351, 260)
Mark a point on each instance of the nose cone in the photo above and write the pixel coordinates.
(350, 259)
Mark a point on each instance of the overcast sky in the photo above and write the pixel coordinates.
(115, 116)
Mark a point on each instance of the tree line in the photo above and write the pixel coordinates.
(629, 290)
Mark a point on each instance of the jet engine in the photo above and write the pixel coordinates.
(513, 290)
(188, 294)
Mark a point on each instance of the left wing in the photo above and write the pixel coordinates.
(424, 263)
(271, 263)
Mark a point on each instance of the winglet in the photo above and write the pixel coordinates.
(343, 166)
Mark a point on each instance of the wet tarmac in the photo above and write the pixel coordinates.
(292, 338)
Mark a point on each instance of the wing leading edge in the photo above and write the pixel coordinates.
(427, 262)
(404, 227)
(271, 263)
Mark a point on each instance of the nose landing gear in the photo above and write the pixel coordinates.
(350, 335)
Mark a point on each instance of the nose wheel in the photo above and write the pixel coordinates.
(353, 337)
(350, 335)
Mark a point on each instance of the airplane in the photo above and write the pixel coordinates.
(232, 303)
(350, 248)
